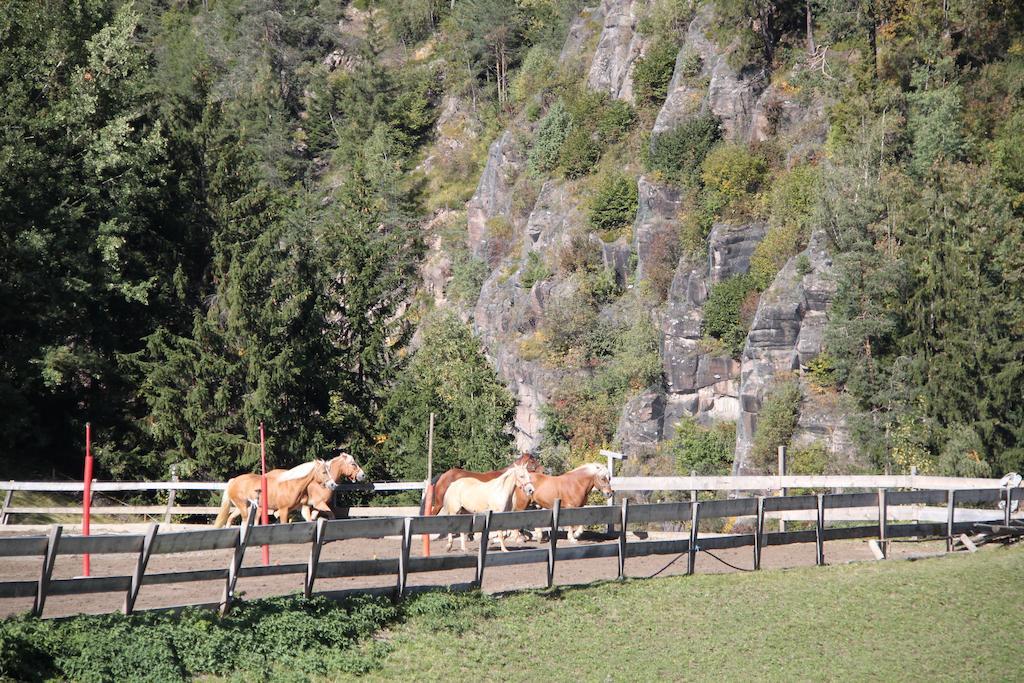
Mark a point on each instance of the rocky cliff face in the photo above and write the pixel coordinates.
(697, 380)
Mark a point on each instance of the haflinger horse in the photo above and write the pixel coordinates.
(572, 488)
(454, 474)
(309, 486)
(471, 495)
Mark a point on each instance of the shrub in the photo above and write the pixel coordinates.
(776, 423)
(653, 72)
(803, 265)
(535, 76)
(724, 312)
(790, 204)
(821, 371)
(811, 459)
(691, 65)
(579, 153)
(677, 154)
(706, 450)
(614, 121)
(551, 133)
(468, 275)
(734, 174)
(964, 454)
(613, 205)
(533, 271)
(578, 255)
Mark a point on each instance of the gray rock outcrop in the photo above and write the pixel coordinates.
(619, 47)
(656, 222)
(493, 197)
(786, 333)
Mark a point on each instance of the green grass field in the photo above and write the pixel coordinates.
(952, 618)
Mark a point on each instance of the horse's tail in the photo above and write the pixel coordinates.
(225, 510)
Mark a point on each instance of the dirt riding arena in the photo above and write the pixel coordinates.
(496, 579)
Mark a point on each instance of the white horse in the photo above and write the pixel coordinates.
(473, 495)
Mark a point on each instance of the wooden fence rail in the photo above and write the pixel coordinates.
(319, 533)
(620, 484)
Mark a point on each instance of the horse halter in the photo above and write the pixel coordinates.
(523, 480)
(328, 482)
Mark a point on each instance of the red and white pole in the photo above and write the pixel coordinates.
(264, 515)
(87, 493)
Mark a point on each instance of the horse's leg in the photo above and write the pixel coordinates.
(284, 513)
(463, 539)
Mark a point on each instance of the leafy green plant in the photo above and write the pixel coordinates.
(468, 275)
(776, 422)
(677, 155)
(533, 271)
(653, 72)
(615, 120)
(579, 154)
(704, 450)
(613, 206)
(821, 371)
(725, 313)
(547, 145)
(734, 174)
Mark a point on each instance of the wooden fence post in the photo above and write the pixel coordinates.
(170, 495)
(693, 492)
(950, 518)
(883, 523)
(553, 540)
(314, 556)
(624, 519)
(140, 569)
(694, 523)
(1009, 501)
(759, 532)
(236, 559)
(403, 559)
(820, 536)
(44, 576)
(7, 503)
(481, 560)
(783, 491)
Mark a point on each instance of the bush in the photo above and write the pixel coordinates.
(734, 174)
(776, 423)
(468, 276)
(533, 271)
(613, 206)
(724, 310)
(790, 204)
(579, 154)
(821, 371)
(614, 121)
(810, 460)
(653, 72)
(547, 145)
(535, 76)
(691, 65)
(706, 450)
(678, 154)
(964, 454)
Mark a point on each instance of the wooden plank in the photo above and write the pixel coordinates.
(660, 512)
(186, 577)
(442, 563)
(840, 533)
(623, 523)
(90, 584)
(820, 532)
(724, 542)
(403, 559)
(485, 540)
(337, 569)
(282, 534)
(759, 532)
(24, 546)
(189, 541)
(787, 537)
(553, 540)
(775, 482)
(77, 487)
(968, 543)
(916, 497)
(587, 551)
(532, 556)
(781, 503)
(101, 544)
(587, 516)
(876, 549)
(950, 519)
(342, 529)
(442, 524)
(18, 589)
(8, 497)
(974, 496)
(140, 569)
(725, 507)
(258, 570)
(527, 519)
(691, 559)
(644, 548)
(241, 541)
(52, 546)
(835, 501)
(314, 557)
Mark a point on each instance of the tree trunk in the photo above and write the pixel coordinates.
(810, 29)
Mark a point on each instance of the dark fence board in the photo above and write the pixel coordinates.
(839, 533)
(980, 496)
(787, 537)
(379, 527)
(835, 501)
(527, 519)
(89, 584)
(725, 542)
(188, 541)
(726, 507)
(341, 568)
(536, 555)
(660, 512)
(99, 545)
(186, 577)
(643, 548)
(585, 552)
(782, 503)
(586, 516)
(445, 524)
(281, 534)
(272, 570)
(915, 498)
(18, 589)
(441, 563)
(26, 546)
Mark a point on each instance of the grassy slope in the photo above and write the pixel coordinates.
(947, 618)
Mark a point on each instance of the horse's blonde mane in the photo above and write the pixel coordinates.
(299, 471)
(593, 468)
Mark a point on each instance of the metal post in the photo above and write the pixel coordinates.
(264, 494)
(693, 492)
(47, 571)
(314, 556)
(7, 503)
(87, 494)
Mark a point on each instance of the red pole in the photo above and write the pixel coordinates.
(87, 493)
(264, 517)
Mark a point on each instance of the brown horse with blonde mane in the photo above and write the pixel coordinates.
(309, 485)
(454, 474)
(572, 488)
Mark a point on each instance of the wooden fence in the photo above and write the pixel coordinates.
(620, 484)
(318, 534)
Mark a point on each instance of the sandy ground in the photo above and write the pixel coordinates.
(496, 579)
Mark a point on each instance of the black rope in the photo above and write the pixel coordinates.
(700, 550)
(741, 569)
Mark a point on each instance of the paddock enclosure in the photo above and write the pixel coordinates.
(160, 566)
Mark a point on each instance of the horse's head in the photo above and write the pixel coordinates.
(344, 466)
(529, 461)
(323, 474)
(602, 479)
(523, 481)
